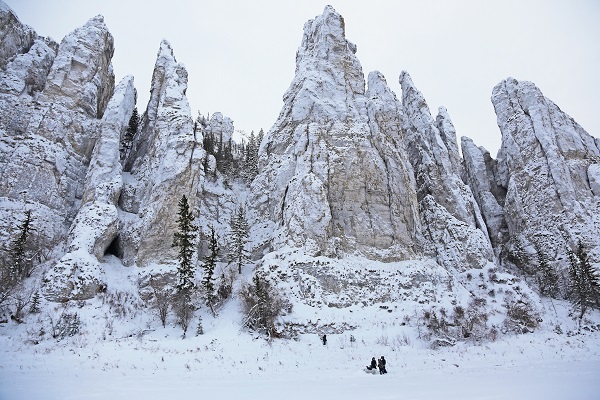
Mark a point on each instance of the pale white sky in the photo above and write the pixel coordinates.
(240, 54)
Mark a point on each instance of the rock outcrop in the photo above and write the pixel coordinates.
(453, 227)
(166, 163)
(15, 37)
(81, 77)
(347, 169)
(96, 227)
(47, 140)
(544, 164)
(323, 183)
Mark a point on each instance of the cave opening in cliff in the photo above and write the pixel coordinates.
(114, 248)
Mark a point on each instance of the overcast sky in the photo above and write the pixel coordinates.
(240, 54)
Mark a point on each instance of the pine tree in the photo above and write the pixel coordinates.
(209, 265)
(184, 239)
(584, 281)
(251, 159)
(127, 140)
(546, 276)
(22, 264)
(239, 232)
(34, 308)
(199, 328)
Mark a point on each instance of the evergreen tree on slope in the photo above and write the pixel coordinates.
(584, 281)
(184, 239)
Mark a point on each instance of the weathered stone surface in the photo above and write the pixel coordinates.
(15, 37)
(480, 176)
(543, 163)
(26, 73)
(324, 182)
(440, 190)
(166, 163)
(82, 76)
(78, 274)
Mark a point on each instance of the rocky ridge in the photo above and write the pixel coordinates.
(347, 170)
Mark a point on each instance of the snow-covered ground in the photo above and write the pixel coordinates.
(123, 352)
(230, 363)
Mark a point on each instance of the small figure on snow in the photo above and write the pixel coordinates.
(381, 366)
(373, 364)
(324, 338)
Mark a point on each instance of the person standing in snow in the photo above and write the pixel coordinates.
(324, 339)
(381, 365)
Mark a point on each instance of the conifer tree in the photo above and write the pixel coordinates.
(239, 232)
(209, 265)
(132, 129)
(584, 281)
(251, 159)
(546, 276)
(184, 239)
(34, 308)
(22, 263)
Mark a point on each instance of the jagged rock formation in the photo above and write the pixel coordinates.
(220, 127)
(347, 168)
(329, 186)
(46, 143)
(166, 163)
(544, 175)
(335, 164)
(480, 174)
(81, 75)
(453, 227)
(15, 37)
(78, 273)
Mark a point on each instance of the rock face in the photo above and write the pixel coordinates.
(46, 141)
(480, 170)
(15, 37)
(78, 273)
(82, 76)
(544, 164)
(454, 230)
(323, 183)
(166, 163)
(347, 168)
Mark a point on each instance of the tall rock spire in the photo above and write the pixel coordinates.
(454, 229)
(165, 163)
(546, 164)
(82, 76)
(326, 167)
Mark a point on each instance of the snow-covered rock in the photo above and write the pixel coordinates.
(81, 76)
(15, 37)
(480, 176)
(47, 140)
(325, 179)
(447, 204)
(220, 127)
(27, 72)
(78, 274)
(544, 164)
(166, 163)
